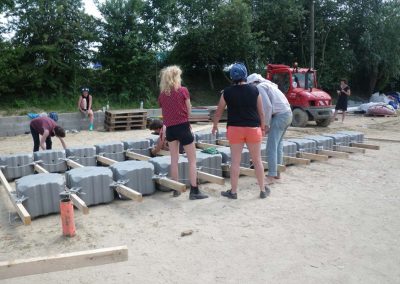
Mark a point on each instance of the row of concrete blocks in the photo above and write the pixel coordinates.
(39, 193)
(17, 125)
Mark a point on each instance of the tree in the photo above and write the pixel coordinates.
(54, 36)
(125, 52)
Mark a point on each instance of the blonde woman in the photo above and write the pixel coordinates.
(175, 104)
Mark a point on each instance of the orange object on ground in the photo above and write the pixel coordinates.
(67, 217)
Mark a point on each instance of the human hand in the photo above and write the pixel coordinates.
(214, 129)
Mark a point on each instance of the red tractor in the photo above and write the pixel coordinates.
(300, 87)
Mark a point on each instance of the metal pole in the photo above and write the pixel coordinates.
(312, 35)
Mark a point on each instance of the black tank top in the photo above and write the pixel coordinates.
(242, 105)
(87, 101)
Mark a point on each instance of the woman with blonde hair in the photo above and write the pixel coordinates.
(175, 104)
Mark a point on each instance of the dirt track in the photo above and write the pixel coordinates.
(329, 222)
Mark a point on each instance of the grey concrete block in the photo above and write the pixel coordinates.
(162, 168)
(289, 148)
(152, 139)
(209, 163)
(205, 137)
(94, 182)
(140, 146)
(304, 145)
(355, 136)
(52, 160)
(221, 134)
(42, 192)
(16, 166)
(112, 150)
(139, 175)
(323, 142)
(86, 156)
(226, 156)
(339, 139)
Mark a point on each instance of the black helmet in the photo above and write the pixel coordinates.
(85, 89)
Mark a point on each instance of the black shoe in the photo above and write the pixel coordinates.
(264, 194)
(197, 195)
(176, 193)
(229, 194)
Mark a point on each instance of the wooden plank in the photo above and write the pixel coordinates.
(247, 172)
(202, 145)
(64, 261)
(336, 154)
(383, 139)
(223, 142)
(105, 160)
(22, 212)
(73, 164)
(288, 160)
(364, 146)
(129, 193)
(280, 168)
(163, 153)
(312, 156)
(79, 203)
(348, 149)
(210, 178)
(172, 184)
(40, 169)
(136, 156)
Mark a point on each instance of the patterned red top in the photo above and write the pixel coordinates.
(42, 123)
(173, 106)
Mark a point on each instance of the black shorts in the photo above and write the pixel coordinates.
(181, 132)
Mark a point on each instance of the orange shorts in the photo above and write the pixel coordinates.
(239, 134)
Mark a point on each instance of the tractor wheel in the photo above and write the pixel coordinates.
(323, 122)
(300, 118)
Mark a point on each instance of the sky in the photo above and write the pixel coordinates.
(91, 9)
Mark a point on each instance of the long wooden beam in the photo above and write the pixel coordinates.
(383, 139)
(73, 164)
(172, 184)
(223, 142)
(136, 156)
(38, 168)
(65, 261)
(210, 178)
(202, 145)
(348, 149)
(79, 203)
(163, 153)
(129, 192)
(242, 170)
(22, 212)
(312, 156)
(288, 160)
(105, 160)
(365, 146)
(281, 168)
(336, 154)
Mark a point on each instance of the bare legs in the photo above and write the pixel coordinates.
(255, 154)
(236, 155)
(191, 155)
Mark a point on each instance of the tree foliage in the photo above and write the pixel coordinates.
(48, 46)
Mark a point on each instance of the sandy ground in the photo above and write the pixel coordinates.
(329, 222)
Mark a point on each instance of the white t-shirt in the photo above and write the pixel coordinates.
(274, 101)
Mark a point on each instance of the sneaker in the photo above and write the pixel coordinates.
(264, 194)
(176, 193)
(229, 194)
(197, 195)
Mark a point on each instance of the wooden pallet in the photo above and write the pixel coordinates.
(125, 119)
